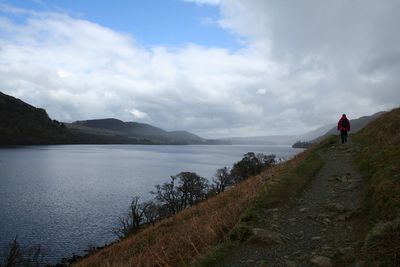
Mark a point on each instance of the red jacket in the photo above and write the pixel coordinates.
(340, 126)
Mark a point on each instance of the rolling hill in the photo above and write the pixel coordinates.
(136, 130)
(24, 124)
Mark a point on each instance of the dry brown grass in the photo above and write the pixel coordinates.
(179, 240)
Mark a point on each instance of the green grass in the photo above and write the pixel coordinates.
(291, 181)
(216, 255)
(379, 162)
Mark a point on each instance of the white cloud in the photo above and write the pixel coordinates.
(204, 2)
(300, 67)
(138, 115)
(261, 91)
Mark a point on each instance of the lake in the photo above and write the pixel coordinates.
(69, 197)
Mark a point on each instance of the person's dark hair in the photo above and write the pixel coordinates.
(344, 115)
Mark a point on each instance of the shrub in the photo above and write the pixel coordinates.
(184, 190)
(382, 244)
(187, 189)
(221, 180)
(131, 222)
(15, 255)
(250, 165)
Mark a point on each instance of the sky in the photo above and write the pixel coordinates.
(217, 68)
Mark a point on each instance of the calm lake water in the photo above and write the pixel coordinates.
(67, 198)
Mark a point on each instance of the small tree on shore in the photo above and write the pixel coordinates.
(193, 188)
(130, 222)
(154, 212)
(222, 179)
(15, 255)
(187, 189)
(184, 190)
(168, 195)
(250, 165)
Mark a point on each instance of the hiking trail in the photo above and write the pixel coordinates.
(322, 227)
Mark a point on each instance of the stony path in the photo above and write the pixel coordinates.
(318, 229)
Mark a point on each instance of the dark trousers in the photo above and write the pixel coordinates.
(343, 136)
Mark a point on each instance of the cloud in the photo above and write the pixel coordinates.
(347, 52)
(204, 2)
(137, 114)
(261, 91)
(300, 66)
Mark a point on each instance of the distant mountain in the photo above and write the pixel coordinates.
(21, 123)
(315, 133)
(136, 130)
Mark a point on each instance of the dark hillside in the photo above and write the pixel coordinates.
(186, 136)
(110, 124)
(120, 126)
(138, 130)
(21, 123)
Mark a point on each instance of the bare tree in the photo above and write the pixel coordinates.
(34, 256)
(184, 190)
(168, 195)
(130, 222)
(15, 255)
(154, 212)
(251, 164)
(193, 188)
(222, 179)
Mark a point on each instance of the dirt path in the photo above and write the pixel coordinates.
(321, 228)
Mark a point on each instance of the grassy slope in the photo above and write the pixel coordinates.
(180, 240)
(379, 161)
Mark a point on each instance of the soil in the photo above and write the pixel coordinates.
(320, 228)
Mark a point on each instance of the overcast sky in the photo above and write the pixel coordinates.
(214, 67)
